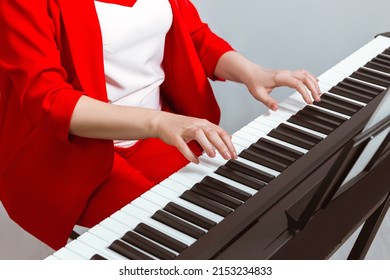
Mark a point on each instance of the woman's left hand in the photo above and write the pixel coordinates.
(260, 81)
(263, 81)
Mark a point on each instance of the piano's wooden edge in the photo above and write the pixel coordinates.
(263, 201)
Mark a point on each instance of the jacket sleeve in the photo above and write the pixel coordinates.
(30, 60)
(209, 46)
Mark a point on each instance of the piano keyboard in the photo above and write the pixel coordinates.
(179, 212)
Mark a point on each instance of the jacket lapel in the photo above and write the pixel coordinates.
(84, 37)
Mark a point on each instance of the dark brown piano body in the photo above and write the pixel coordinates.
(259, 228)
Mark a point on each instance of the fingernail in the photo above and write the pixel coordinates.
(227, 155)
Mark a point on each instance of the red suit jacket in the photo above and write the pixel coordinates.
(50, 55)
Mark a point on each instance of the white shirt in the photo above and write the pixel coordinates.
(133, 48)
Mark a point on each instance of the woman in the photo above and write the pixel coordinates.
(76, 75)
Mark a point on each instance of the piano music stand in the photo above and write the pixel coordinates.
(333, 183)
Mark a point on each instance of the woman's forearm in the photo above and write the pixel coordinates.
(95, 119)
(235, 67)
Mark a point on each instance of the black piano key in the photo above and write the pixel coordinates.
(278, 148)
(361, 86)
(352, 94)
(263, 160)
(302, 134)
(384, 58)
(311, 124)
(98, 257)
(178, 224)
(160, 237)
(206, 203)
(189, 215)
(240, 177)
(387, 51)
(249, 170)
(148, 246)
(271, 153)
(217, 196)
(225, 188)
(379, 65)
(286, 137)
(306, 114)
(371, 76)
(128, 251)
(334, 119)
(337, 104)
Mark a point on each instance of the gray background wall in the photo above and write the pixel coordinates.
(309, 34)
(285, 34)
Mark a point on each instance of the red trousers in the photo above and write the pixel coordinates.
(135, 171)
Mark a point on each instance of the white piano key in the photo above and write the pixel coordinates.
(281, 117)
(331, 111)
(84, 250)
(121, 229)
(308, 130)
(136, 211)
(265, 125)
(377, 71)
(145, 204)
(196, 172)
(259, 166)
(247, 136)
(180, 178)
(234, 184)
(175, 186)
(353, 101)
(211, 163)
(285, 144)
(174, 197)
(110, 236)
(128, 218)
(282, 114)
(162, 202)
(117, 226)
(324, 87)
(257, 132)
(361, 56)
(333, 79)
(291, 146)
(328, 110)
(243, 143)
(66, 254)
(252, 164)
(190, 183)
(100, 244)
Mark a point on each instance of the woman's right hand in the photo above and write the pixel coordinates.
(95, 119)
(178, 130)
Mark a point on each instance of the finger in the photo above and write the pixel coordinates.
(182, 146)
(263, 96)
(227, 139)
(204, 142)
(222, 142)
(300, 87)
(311, 83)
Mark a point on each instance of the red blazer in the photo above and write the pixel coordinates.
(50, 55)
